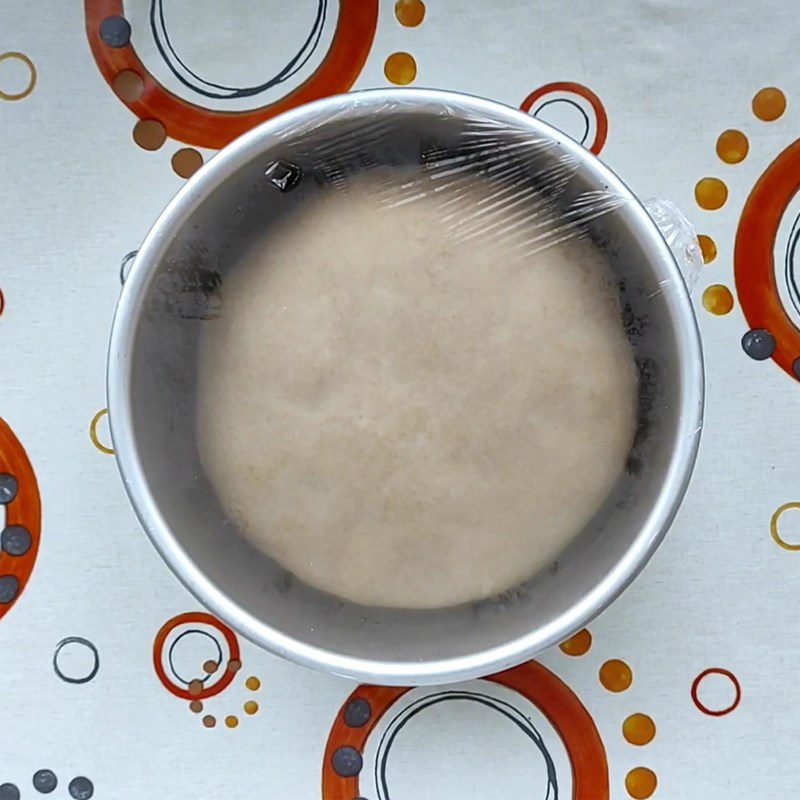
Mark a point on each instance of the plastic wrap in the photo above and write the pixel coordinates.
(491, 176)
(533, 207)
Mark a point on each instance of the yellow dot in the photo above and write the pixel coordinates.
(250, 707)
(710, 193)
(773, 526)
(708, 247)
(616, 675)
(769, 103)
(638, 729)
(641, 783)
(231, 721)
(718, 299)
(578, 644)
(400, 68)
(409, 13)
(253, 683)
(732, 146)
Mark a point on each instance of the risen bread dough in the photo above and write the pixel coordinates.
(405, 419)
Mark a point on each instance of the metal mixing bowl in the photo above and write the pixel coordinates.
(172, 292)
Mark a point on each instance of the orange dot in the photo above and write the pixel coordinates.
(186, 162)
(639, 729)
(718, 299)
(769, 103)
(253, 683)
(616, 675)
(732, 146)
(149, 134)
(234, 665)
(210, 666)
(128, 85)
(209, 721)
(400, 68)
(578, 644)
(710, 193)
(195, 687)
(196, 706)
(409, 13)
(250, 707)
(641, 782)
(231, 721)
(708, 247)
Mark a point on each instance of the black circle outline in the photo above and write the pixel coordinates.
(571, 102)
(793, 247)
(172, 647)
(166, 49)
(126, 259)
(506, 709)
(76, 640)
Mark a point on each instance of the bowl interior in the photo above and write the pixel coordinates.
(176, 287)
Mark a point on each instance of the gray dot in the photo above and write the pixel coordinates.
(796, 368)
(758, 344)
(15, 540)
(347, 761)
(357, 713)
(115, 31)
(81, 788)
(9, 792)
(8, 488)
(44, 781)
(9, 586)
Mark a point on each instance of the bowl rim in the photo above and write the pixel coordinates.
(462, 667)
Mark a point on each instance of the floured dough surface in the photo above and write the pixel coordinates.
(408, 419)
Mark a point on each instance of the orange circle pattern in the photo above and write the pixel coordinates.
(24, 509)
(205, 127)
(198, 618)
(582, 91)
(754, 255)
(533, 681)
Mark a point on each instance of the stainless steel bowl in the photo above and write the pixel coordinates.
(170, 294)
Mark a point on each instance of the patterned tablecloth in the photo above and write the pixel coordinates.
(114, 683)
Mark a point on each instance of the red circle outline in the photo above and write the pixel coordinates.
(716, 671)
(533, 681)
(754, 255)
(204, 127)
(201, 618)
(601, 118)
(25, 509)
